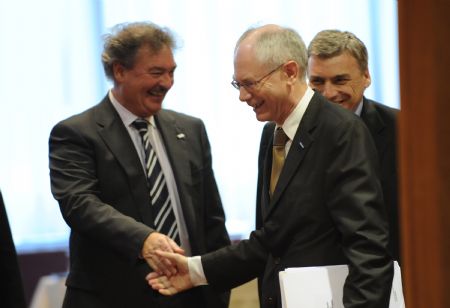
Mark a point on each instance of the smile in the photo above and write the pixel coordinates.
(258, 105)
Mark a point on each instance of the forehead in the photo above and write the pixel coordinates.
(341, 64)
(246, 65)
(163, 58)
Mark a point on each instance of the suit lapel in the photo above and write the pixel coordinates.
(176, 145)
(376, 126)
(267, 169)
(117, 139)
(302, 142)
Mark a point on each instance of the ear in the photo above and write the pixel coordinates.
(367, 79)
(118, 71)
(291, 70)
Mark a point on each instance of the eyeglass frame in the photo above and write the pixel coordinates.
(250, 84)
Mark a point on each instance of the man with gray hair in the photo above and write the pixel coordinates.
(131, 177)
(318, 207)
(338, 69)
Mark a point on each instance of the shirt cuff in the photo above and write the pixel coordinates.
(196, 271)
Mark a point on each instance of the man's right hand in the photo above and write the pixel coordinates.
(170, 285)
(158, 241)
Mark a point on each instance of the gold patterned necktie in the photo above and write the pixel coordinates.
(278, 156)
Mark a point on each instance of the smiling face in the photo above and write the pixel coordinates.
(142, 88)
(339, 78)
(268, 97)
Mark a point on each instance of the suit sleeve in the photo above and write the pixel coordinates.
(264, 143)
(226, 266)
(237, 264)
(355, 204)
(11, 289)
(74, 158)
(216, 232)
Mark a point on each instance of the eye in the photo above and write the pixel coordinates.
(247, 84)
(341, 80)
(155, 74)
(316, 81)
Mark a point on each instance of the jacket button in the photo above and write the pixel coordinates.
(277, 261)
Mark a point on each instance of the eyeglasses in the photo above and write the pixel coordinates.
(248, 85)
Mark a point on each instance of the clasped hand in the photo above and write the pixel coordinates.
(160, 242)
(174, 283)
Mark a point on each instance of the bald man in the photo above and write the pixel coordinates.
(324, 207)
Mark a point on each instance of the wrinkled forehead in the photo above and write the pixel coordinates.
(336, 65)
(246, 64)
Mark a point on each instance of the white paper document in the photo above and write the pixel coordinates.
(322, 287)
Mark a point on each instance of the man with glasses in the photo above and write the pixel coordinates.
(321, 201)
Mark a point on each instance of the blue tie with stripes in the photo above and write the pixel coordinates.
(164, 217)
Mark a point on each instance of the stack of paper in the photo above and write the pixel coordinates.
(322, 287)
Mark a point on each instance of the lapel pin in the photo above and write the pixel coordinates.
(301, 144)
(180, 136)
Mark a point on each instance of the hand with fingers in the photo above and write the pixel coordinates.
(173, 284)
(158, 241)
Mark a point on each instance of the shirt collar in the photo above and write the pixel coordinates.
(127, 116)
(292, 122)
(359, 109)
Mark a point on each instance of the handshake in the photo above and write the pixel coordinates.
(171, 271)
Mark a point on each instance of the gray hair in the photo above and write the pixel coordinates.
(330, 43)
(277, 46)
(122, 44)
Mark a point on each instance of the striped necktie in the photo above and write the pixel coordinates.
(164, 217)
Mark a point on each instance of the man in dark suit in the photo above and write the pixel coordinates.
(338, 69)
(109, 184)
(11, 288)
(324, 208)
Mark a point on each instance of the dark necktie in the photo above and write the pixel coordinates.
(278, 155)
(164, 217)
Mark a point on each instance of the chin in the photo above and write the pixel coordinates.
(262, 118)
(153, 107)
(348, 106)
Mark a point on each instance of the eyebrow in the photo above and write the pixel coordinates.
(160, 68)
(243, 80)
(332, 77)
(342, 76)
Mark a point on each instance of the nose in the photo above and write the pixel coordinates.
(167, 80)
(244, 94)
(329, 91)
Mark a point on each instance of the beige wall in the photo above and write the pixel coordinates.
(245, 296)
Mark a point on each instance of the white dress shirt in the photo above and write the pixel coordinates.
(156, 141)
(290, 127)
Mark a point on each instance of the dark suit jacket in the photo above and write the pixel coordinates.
(11, 288)
(382, 123)
(326, 209)
(99, 182)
